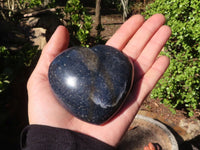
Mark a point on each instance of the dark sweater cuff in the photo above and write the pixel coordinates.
(40, 137)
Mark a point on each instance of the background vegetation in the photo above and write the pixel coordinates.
(180, 86)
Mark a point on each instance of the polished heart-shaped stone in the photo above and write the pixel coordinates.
(91, 83)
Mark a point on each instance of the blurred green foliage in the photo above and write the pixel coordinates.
(180, 85)
(79, 23)
(35, 3)
(12, 62)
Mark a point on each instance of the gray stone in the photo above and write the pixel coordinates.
(38, 37)
(32, 21)
(191, 127)
(91, 83)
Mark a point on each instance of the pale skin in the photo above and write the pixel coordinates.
(141, 40)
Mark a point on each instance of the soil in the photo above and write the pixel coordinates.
(155, 106)
(110, 22)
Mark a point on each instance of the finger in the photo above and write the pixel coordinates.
(149, 80)
(151, 146)
(125, 32)
(151, 51)
(57, 43)
(140, 90)
(136, 44)
(144, 86)
(146, 148)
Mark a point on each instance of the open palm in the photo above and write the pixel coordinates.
(141, 40)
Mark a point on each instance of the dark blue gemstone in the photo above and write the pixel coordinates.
(91, 83)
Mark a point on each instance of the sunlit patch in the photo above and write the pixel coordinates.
(71, 81)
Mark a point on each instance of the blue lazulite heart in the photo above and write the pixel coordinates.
(91, 83)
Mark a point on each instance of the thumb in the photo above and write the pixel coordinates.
(58, 42)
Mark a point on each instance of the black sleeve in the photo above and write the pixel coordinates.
(39, 137)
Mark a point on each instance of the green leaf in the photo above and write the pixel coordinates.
(180, 84)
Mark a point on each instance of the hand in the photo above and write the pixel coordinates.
(141, 40)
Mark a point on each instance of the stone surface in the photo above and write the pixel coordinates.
(192, 128)
(38, 37)
(47, 20)
(91, 83)
(32, 21)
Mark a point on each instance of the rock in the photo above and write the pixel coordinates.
(50, 22)
(38, 37)
(91, 83)
(32, 21)
(47, 20)
(192, 128)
